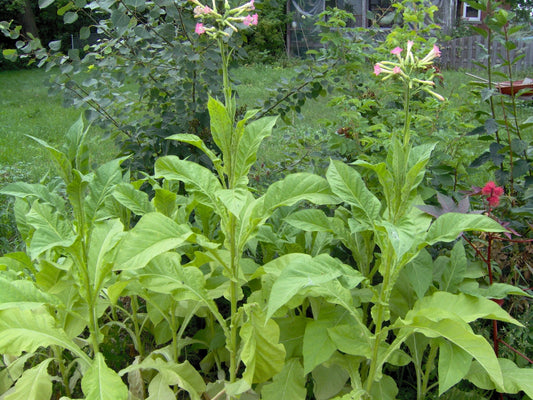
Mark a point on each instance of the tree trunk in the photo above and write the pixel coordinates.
(28, 19)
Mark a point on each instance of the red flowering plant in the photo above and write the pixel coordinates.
(493, 193)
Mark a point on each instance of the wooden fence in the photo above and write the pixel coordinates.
(464, 52)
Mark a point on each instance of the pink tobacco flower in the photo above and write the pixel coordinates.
(396, 50)
(377, 69)
(436, 50)
(199, 10)
(251, 5)
(396, 70)
(493, 193)
(410, 45)
(250, 20)
(200, 28)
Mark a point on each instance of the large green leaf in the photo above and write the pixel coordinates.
(104, 238)
(102, 383)
(26, 330)
(318, 347)
(197, 142)
(23, 190)
(34, 384)
(221, 125)
(159, 389)
(154, 234)
(183, 375)
(461, 306)
(197, 179)
(51, 230)
(328, 380)
(303, 271)
(253, 135)
(101, 187)
(289, 384)
(311, 220)
(261, 351)
(420, 273)
(515, 378)
(384, 389)
(455, 270)
(459, 333)
(454, 364)
(449, 226)
(295, 188)
(59, 158)
(133, 199)
(20, 293)
(347, 183)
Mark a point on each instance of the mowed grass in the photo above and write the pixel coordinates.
(27, 110)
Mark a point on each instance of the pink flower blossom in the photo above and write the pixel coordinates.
(377, 69)
(251, 5)
(493, 193)
(436, 50)
(396, 50)
(250, 20)
(396, 70)
(410, 45)
(199, 10)
(200, 28)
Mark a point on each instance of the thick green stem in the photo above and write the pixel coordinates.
(407, 111)
(429, 367)
(58, 354)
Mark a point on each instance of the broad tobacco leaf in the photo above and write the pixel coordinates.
(34, 384)
(27, 330)
(289, 384)
(347, 183)
(102, 383)
(261, 351)
(515, 378)
(154, 234)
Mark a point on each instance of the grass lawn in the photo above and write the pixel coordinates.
(26, 109)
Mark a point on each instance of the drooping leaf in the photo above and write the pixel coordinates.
(384, 389)
(134, 200)
(197, 179)
(261, 352)
(102, 383)
(449, 226)
(26, 330)
(297, 187)
(289, 384)
(347, 183)
(420, 273)
(459, 333)
(515, 378)
(318, 347)
(183, 375)
(51, 230)
(463, 306)
(21, 293)
(454, 364)
(301, 272)
(34, 384)
(311, 220)
(154, 234)
(159, 389)
(329, 379)
(455, 270)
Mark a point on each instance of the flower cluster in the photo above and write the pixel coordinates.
(493, 193)
(406, 65)
(215, 24)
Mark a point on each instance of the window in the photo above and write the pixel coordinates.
(470, 13)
